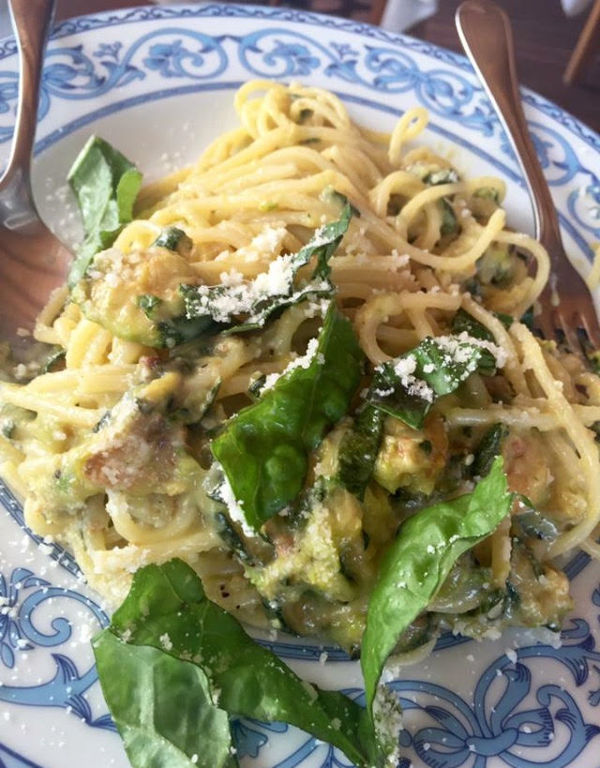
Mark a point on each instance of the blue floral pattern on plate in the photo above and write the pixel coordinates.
(516, 712)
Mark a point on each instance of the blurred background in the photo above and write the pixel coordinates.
(557, 41)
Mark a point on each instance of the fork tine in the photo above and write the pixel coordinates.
(544, 325)
(588, 320)
(567, 321)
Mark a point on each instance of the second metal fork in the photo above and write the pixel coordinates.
(567, 307)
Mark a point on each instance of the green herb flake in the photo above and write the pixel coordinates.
(174, 239)
(358, 450)
(148, 303)
(449, 224)
(489, 447)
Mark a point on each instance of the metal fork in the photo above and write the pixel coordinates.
(33, 262)
(567, 307)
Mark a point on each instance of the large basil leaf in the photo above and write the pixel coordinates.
(407, 386)
(106, 185)
(144, 688)
(167, 612)
(222, 303)
(419, 561)
(264, 448)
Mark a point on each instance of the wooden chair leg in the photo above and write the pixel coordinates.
(588, 44)
(377, 9)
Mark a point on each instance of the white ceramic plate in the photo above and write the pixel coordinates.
(158, 83)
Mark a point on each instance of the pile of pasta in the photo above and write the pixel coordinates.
(427, 243)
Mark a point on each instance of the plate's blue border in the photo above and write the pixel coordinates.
(117, 106)
(17, 760)
(577, 655)
(182, 11)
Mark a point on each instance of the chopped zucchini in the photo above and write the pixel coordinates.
(487, 193)
(131, 295)
(7, 427)
(543, 591)
(449, 221)
(465, 589)
(497, 265)
(55, 356)
(232, 538)
(527, 466)
(11, 416)
(528, 522)
(411, 459)
(136, 450)
(419, 633)
(358, 450)
(483, 202)
(309, 557)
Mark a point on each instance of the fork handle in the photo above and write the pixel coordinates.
(486, 35)
(32, 20)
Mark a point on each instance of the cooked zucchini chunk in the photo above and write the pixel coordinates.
(412, 459)
(136, 295)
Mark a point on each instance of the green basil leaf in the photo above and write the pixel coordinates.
(419, 561)
(389, 395)
(325, 242)
(264, 448)
(167, 610)
(358, 450)
(407, 386)
(224, 303)
(273, 306)
(489, 447)
(106, 185)
(144, 688)
(463, 322)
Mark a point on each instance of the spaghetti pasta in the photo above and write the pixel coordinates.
(112, 450)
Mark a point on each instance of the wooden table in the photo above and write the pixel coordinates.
(544, 40)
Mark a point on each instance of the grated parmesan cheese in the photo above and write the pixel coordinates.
(303, 361)
(234, 507)
(404, 370)
(264, 244)
(166, 642)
